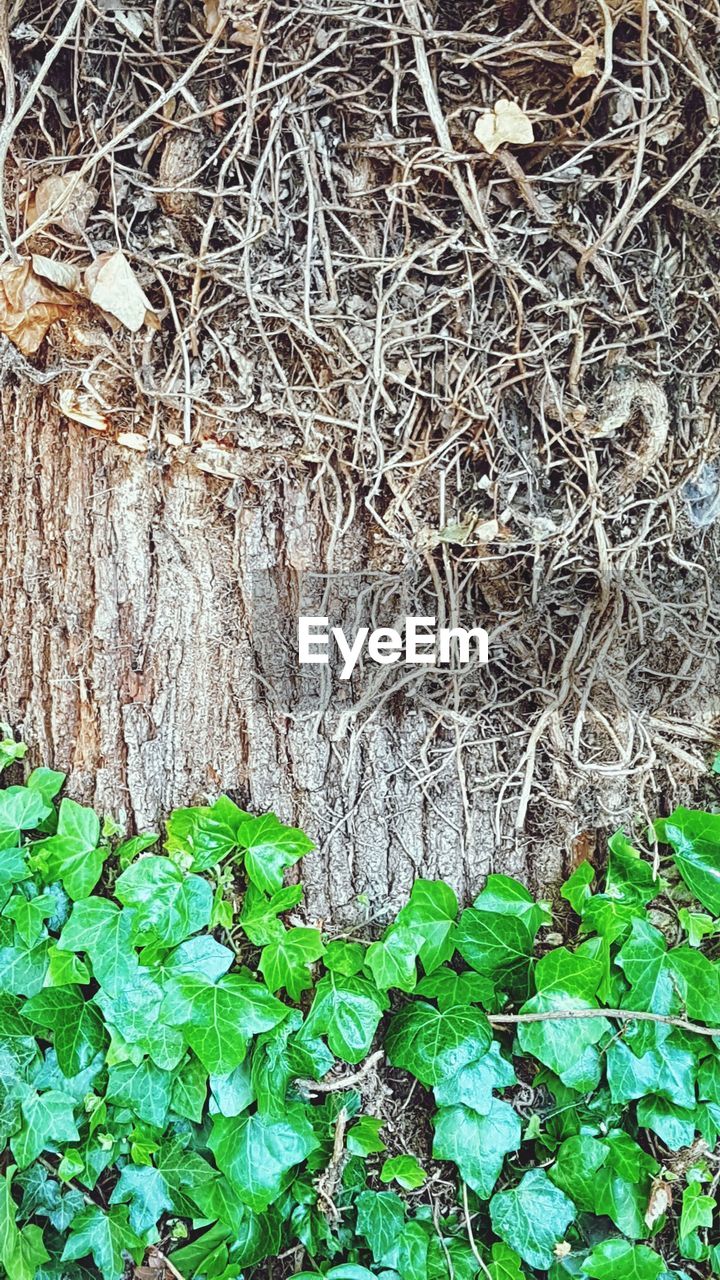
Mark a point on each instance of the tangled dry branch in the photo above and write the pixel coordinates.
(500, 363)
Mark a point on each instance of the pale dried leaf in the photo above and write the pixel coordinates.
(586, 62)
(504, 123)
(64, 274)
(659, 1202)
(114, 287)
(29, 305)
(487, 531)
(133, 440)
(71, 199)
(130, 22)
(244, 32)
(82, 408)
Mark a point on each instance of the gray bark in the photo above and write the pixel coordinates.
(148, 650)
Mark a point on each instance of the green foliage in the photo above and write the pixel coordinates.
(163, 1021)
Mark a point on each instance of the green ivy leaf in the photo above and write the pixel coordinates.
(430, 916)
(64, 969)
(363, 1137)
(47, 1119)
(199, 957)
(135, 1014)
(406, 1170)
(347, 958)
(206, 834)
(287, 962)
(577, 888)
(47, 781)
(450, 988)
(218, 1019)
(233, 1091)
(100, 929)
(675, 1126)
(22, 969)
(629, 878)
(107, 1237)
(698, 1210)
(72, 854)
(504, 1264)
(21, 809)
(146, 1192)
(380, 1218)
(695, 838)
(504, 895)
(189, 1090)
(142, 1087)
(346, 1010)
(698, 981)
(29, 915)
(433, 1043)
(577, 1167)
(477, 1144)
(614, 1258)
(270, 847)
(10, 750)
(128, 850)
(495, 944)
(259, 912)
(472, 1086)
(532, 1218)
(668, 1071)
(644, 960)
(257, 1153)
(698, 926)
(169, 904)
(392, 961)
(76, 1024)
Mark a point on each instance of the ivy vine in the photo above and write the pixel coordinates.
(197, 1082)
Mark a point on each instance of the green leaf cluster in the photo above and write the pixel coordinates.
(188, 1062)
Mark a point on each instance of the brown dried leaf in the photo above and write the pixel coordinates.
(29, 305)
(82, 408)
(244, 32)
(212, 16)
(113, 286)
(72, 200)
(506, 122)
(181, 157)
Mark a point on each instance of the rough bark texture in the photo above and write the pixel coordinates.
(148, 650)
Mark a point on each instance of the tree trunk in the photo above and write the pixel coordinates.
(439, 377)
(149, 651)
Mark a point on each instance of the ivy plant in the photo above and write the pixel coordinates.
(198, 1079)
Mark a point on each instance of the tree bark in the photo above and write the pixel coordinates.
(148, 650)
